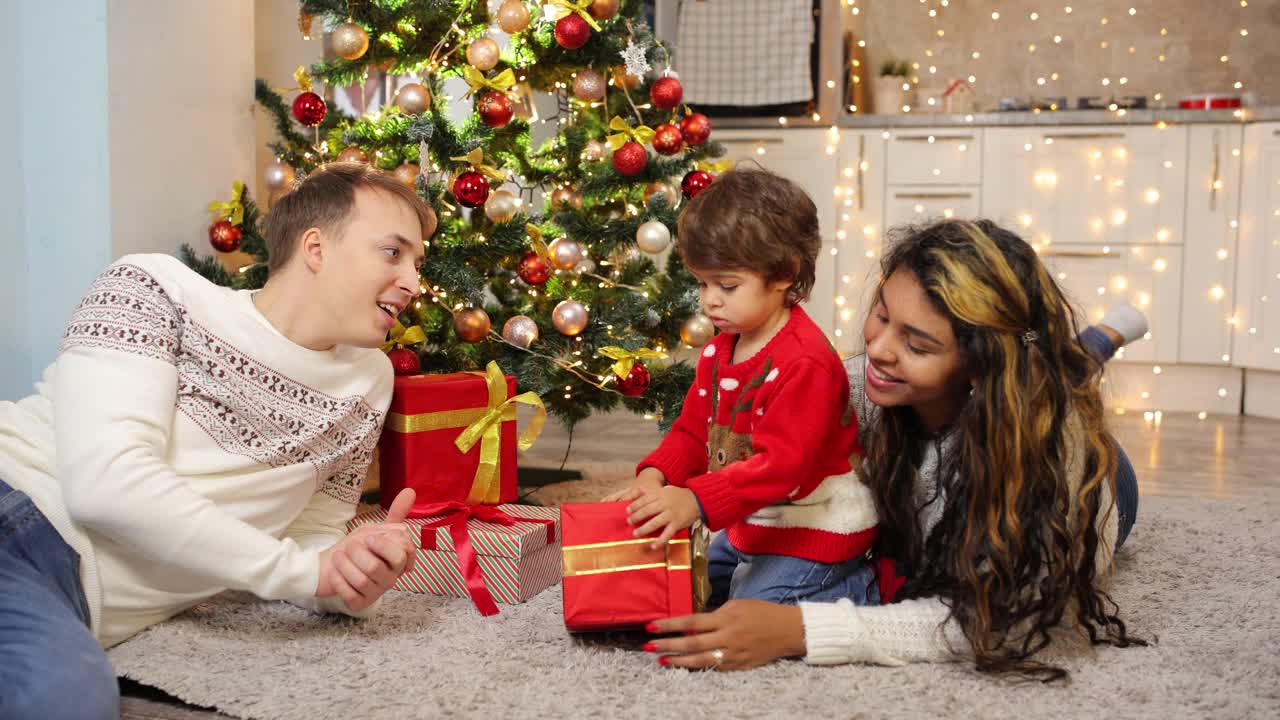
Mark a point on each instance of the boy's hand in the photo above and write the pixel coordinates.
(670, 508)
(362, 566)
(649, 480)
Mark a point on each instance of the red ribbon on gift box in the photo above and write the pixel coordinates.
(455, 515)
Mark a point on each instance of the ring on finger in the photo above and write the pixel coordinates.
(718, 656)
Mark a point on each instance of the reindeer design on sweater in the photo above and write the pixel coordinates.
(725, 446)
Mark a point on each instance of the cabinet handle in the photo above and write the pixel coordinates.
(1086, 136)
(933, 196)
(1217, 179)
(862, 152)
(1092, 254)
(752, 141)
(934, 138)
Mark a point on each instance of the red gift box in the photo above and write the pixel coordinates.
(453, 438)
(614, 580)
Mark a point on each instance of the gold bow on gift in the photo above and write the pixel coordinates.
(535, 239)
(487, 431)
(475, 159)
(402, 336)
(642, 134)
(581, 7)
(502, 82)
(234, 210)
(719, 167)
(624, 359)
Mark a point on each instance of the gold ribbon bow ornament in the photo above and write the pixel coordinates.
(624, 359)
(718, 167)
(402, 336)
(502, 82)
(234, 210)
(475, 159)
(624, 132)
(487, 431)
(535, 239)
(562, 8)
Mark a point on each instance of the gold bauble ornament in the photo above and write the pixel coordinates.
(408, 174)
(353, 154)
(513, 16)
(697, 330)
(668, 191)
(595, 151)
(501, 206)
(653, 237)
(471, 325)
(413, 98)
(604, 9)
(520, 331)
(589, 85)
(623, 80)
(483, 53)
(350, 41)
(278, 175)
(569, 317)
(561, 197)
(564, 253)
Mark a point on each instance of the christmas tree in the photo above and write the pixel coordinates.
(566, 295)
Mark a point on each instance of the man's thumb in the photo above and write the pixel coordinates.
(401, 505)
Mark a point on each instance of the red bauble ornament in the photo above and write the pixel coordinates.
(495, 109)
(695, 181)
(636, 381)
(572, 32)
(667, 139)
(696, 128)
(666, 92)
(309, 109)
(471, 188)
(404, 361)
(533, 269)
(224, 237)
(630, 159)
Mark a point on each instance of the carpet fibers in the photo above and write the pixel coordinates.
(1200, 577)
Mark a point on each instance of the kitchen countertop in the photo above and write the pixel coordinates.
(1011, 119)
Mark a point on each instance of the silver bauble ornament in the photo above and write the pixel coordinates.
(697, 330)
(569, 317)
(278, 175)
(483, 53)
(350, 41)
(653, 237)
(595, 151)
(564, 253)
(501, 206)
(520, 331)
(413, 98)
(589, 85)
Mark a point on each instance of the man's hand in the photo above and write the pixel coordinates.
(669, 508)
(650, 479)
(365, 564)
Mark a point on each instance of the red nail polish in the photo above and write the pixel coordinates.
(663, 660)
(650, 647)
(651, 627)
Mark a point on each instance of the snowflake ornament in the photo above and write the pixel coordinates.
(633, 56)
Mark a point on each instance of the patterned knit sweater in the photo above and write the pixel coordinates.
(766, 444)
(914, 630)
(183, 446)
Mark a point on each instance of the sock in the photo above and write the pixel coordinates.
(1126, 320)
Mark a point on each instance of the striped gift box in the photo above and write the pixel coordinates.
(516, 561)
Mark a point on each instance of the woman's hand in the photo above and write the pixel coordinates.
(748, 633)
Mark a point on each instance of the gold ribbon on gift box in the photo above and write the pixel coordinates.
(483, 425)
(639, 554)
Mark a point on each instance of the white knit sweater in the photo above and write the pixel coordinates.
(911, 630)
(183, 446)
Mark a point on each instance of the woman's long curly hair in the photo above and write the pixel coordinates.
(1013, 551)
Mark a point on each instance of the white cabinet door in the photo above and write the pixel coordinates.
(935, 156)
(1095, 276)
(860, 223)
(1257, 318)
(806, 156)
(1212, 218)
(909, 205)
(1108, 185)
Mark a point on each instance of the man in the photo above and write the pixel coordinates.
(190, 438)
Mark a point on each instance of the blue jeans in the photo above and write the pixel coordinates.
(51, 666)
(784, 579)
(1096, 342)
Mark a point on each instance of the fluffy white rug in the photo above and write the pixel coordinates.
(1202, 577)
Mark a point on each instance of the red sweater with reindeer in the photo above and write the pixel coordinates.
(766, 445)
